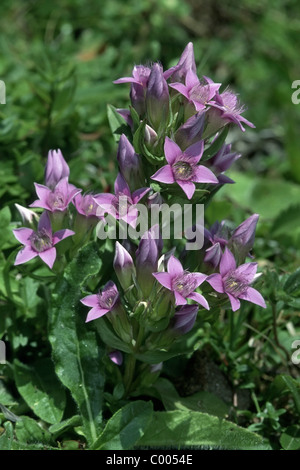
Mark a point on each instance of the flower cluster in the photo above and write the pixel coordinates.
(172, 149)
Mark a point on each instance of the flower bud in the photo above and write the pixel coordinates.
(129, 164)
(186, 62)
(56, 168)
(242, 239)
(123, 266)
(191, 131)
(184, 319)
(157, 98)
(116, 357)
(27, 215)
(147, 256)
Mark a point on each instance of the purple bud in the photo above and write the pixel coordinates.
(184, 319)
(27, 215)
(224, 158)
(186, 62)
(191, 131)
(116, 357)
(213, 255)
(150, 136)
(123, 266)
(147, 256)
(157, 98)
(56, 168)
(129, 164)
(243, 237)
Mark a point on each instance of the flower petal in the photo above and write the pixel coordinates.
(164, 175)
(195, 151)
(48, 256)
(200, 299)
(252, 295)
(216, 282)
(172, 150)
(61, 234)
(90, 300)
(45, 223)
(42, 192)
(121, 186)
(23, 234)
(179, 300)
(235, 303)
(199, 278)
(188, 187)
(139, 194)
(204, 175)
(164, 279)
(24, 255)
(227, 262)
(95, 313)
(174, 267)
(181, 88)
(247, 271)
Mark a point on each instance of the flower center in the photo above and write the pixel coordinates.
(184, 284)
(183, 170)
(121, 204)
(41, 241)
(235, 286)
(200, 93)
(108, 299)
(56, 200)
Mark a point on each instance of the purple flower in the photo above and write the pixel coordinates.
(185, 63)
(182, 167)
(123, 266)
(184, 319)
(242, 239)
(85, 205)
(157, 97)
(235, 281)
(56, 199)
(103, 302)
(56, 168)
(40, 243)
(147, 256)
(116, 357)
(231, 110)
(121, 205)
(182, 283)
(139, 82)
(197, 93)
(191, 131)
(129, 163)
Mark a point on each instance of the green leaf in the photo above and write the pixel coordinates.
(290, 439)
(287, 222)
(117, 123)
(39, 387)
(59, 428)
(201, 401)
(215, 146)
(108, 337)
(283, 384)
(292, 284)
(125, 427)
(76, 352)
(6, 439)
(194, 429)
(27, 430)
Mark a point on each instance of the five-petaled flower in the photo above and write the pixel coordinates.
(103, 302)
(122, 204)
(182, 283)
(235, 281)
(227, 103)
(183, 167)
(40, 243)
(56, 199)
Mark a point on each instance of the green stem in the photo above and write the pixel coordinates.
(131, 362)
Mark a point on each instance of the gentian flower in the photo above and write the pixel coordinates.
(121, 205)
(56, 199)
(147, 256)
(103, 302)
(129, 163)
(85, 205)
(197, 93)
(123, 266)
(40, 243)
(182, 283)
(184, 319)
(227, 103)
(185, 63)
(182, 167)
(157, 98)
(235, 281)
(116, 357)
(139, 82)
(56, 168)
